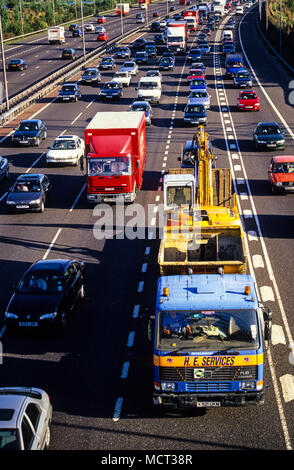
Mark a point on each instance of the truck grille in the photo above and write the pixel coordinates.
(186, 374)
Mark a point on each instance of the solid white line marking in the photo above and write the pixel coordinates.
(252, 236)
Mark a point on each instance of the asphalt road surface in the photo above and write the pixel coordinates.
(98, 372)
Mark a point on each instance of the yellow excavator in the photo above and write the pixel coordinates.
(202, 231)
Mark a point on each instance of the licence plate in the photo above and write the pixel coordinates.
(28, 323)
(23, 141)
(66, 99)
(271, 145)
(22, 206)
(207, 404)
(249, 107)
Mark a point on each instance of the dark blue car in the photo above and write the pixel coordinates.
(195, 114)
(30, 132)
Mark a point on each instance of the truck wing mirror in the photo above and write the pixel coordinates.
(267, 316)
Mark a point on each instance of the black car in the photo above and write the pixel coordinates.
(29, 193)
(159, 39)
(111, 90)
(194, 54)
(77, 33)
(141, 57)
(155, 26)
(166, 63)
(195, 114)
(47, 294)
(139, 44)
(268, 135)
(107, 63)
(91, 76)
(69, 54)
(72, 27)
(70, 92)
(30, 132)
(17, 64)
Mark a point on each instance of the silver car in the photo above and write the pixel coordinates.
(199, 97)
(130, 66)
(4, 168)
(25, 418)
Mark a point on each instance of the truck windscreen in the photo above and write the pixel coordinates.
(109, 166)
(208, 330)
(174, 39)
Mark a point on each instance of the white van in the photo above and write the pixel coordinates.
(227, 35)
(149, 89)
(239, 11)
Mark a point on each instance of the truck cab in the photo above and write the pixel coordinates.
(208, 341)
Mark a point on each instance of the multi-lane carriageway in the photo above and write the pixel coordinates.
(99, 371)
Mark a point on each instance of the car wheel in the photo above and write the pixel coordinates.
(47, 439)
(42, 206)
(37, 143)
(45, 135)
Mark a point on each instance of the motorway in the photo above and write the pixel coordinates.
(98, 372)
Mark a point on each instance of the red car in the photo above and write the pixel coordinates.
(248, 100)
(101, 19)
(195, 73)
(281, 173)
(102, 37)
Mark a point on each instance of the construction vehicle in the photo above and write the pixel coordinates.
(202, 231)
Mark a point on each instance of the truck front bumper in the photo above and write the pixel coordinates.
(192, 400)
(98, 198)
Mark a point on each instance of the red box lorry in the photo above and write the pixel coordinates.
(115, 155)
(192, 18)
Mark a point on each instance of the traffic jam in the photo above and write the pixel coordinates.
(155, 128)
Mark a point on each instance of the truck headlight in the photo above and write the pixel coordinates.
(168, 386)
(247, 385)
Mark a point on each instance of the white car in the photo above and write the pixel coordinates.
(25, 418)
(239, 11)
(199, 97)
(100, 29)
(66, 150)
(130, 66)
(122, 77)
(90, 28)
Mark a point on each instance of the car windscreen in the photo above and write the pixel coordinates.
(243, 75)
(139, 107)
(9, 439)
(194, 109)
(268, 130)
(64, 145)
(109, 166)
(198, 94)
(129, 64)
(111, 86)
(28, 126)
(285, 167)
(148, 85)
(208, 330)
(248, 96)
(67, 88)
(15, 61)
(26, 187)
(41, 282)
(90, 72)
(198, 82)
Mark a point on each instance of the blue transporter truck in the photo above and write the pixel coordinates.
(209, 336)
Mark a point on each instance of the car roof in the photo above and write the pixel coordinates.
(268, 124)
(283, 158)
(66, 137)
(11, 402)
(51, 264)
(36, 176)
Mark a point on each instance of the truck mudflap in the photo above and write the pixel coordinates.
(189, 400)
